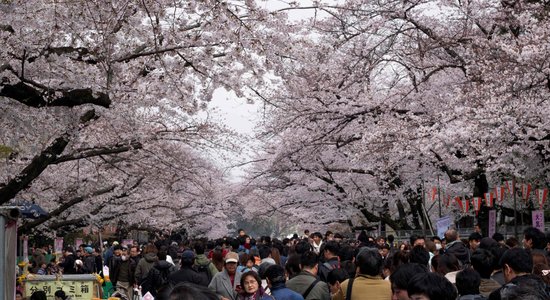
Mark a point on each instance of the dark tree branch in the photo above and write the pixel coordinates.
(62, 208)
(37, 165)
(113, 149)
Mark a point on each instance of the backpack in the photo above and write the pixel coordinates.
(204, 270)
(154, 280)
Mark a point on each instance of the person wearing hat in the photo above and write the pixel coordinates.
(227, 282)
(89, 260)
(187, 273)
(122, 271)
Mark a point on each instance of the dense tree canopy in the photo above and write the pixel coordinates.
(105, 107)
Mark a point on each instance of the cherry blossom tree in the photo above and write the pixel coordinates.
(105, 107)
(377, 98)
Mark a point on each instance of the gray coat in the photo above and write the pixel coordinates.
(302, 281)
(221, 284)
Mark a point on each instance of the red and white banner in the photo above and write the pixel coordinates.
(542, 195)
(510, 186)
(460, 204)
(433, 193)
(477, 204)
(525, 191)
(499, 193)
(489, 200)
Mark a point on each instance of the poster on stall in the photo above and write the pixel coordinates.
(127, 242)
(442, 225)
(75, 289)
(58, 245)
(492, 228)
(538, 219)
(78, 242)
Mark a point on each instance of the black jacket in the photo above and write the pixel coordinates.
(68, 264)
(187, 274)
(529, 283)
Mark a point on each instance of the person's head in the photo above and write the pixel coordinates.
(309, 262)
(334, 278)
(331, 249)
(484, 262)
(498, 237)
(60, 295)
(474, 240)
(18, 295)
(124, 253)
(437, 242)
(317, 237)
(264, 251)
(369, 262)
(419, 255)
(241, 232)
(430, 286)
(329, 235)
(384, 250)
(515, 262)
(445, 263)
(231, 259)
(400, 279)
(275, 274)
(417, 240)
(533, 238)
(251, 282)
(150, 248)
(380, 241)
(190, 291)
(134, 251)
(451, 235)
(467, 282)
(187, 258)
(39, 295)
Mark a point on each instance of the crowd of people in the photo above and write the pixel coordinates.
(323, 266)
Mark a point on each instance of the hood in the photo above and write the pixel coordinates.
(202, 260)
(163, 265)
(151, 257)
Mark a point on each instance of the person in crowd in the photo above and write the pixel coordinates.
(438, 243)
(400, 278)
(122, 272)
(347, 258)
(368, 283)
(334, 279)
(202, 263)
(384, 251)
(417, 240)
(159, 274)
(250, 287)
(275, 276)
(330, 253)
(187, 273)
(467, 285)
(419, 254)
(534, 239)
(317, 242)
(430, 286)
(517, 265)
(474, 240)
(146, 263)
(306, 282)
(67, 264)
(484, 262)
(292, 266)
(39, 295)
(60, 295)
(225, 282)
(190, 291)
(19, 295)
(218, 258)
(456, 247)
(447, 265)
(89, 260)
(380, 241)
(53, 267)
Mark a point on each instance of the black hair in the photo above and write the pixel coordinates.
(445, 263)
(419, 255)
(402, 275)
(484, 262)
(275, 274)
(346, 253)
(264, 251)
(190, 291)
(435, 237)
(518, 259)
(536, 236)
(309, 259)
(475, 236)
(60, 294)
(302, 247)
(498, 237)
(467, 282)
(292, 265)
(39, 295)
(415, 237)
(199, 247)
(433, 285)
(253, 274)
(337, 275)
(369, 261)
(332, 246)
(317, 234)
